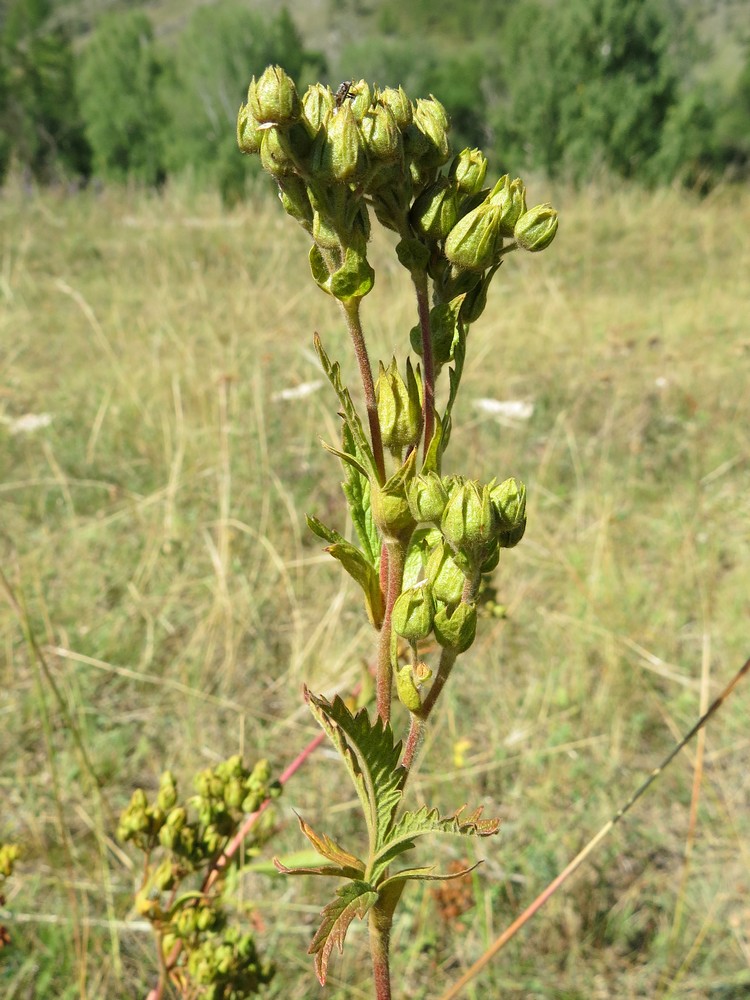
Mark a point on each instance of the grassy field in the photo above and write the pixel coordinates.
(152, 528)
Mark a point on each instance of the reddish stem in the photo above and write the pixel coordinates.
(351, 311)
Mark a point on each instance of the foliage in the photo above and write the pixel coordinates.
(587, 86)
(117, 83)
(207, 80)
(40, 123)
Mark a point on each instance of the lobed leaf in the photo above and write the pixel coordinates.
(353, 900)
(372, 760)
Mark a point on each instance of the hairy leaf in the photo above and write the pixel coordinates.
(352, 900)
(416, 824)
(372, 759)
(357, 492)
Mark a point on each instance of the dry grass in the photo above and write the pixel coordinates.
(154, 532)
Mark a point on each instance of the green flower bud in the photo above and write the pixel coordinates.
(399, 406)
(413, 613)
(294, 198)
(344, 157)
(510, 197)
(169, 834)
(167, 791)
(360, 100)
(274, 98)
(164, 876)
(248, 133)
(509, 506)
(206, 918)
(536, 229)
(427, 498)
(446, 578)
(406, 689)
(431, 119)
(390, 508)
(276, 154)
(202, 782)
(456, 629)
(435, 212)
(475, 241)
(185, 924)
(234, 793)
(9, 854)
(468, 519)
(399, 104)
(468, 170)
(380, 135)
(212, 839)
(317, 108)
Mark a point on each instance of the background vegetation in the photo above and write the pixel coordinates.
(153, 530)
(151, 511)
(657, 90)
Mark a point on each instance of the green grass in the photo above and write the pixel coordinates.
(154, 533)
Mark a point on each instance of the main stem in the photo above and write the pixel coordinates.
(423, 309)
(396, 555)
(351, 312)
(380, 937)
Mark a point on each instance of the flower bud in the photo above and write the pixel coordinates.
(343, 156)
(435, 212)
(431, 119)
(413, 613)
(510, 197)
(475, 241)
(509, 506)
(456, 629)
(380, 135)
(536, 228)
(427, 498)
(406, 688)
(360, 98)
(317, 108)
(164, 876)
(468, 170)
(274, 98)
(167, 791)
(248, 133)
(446, 578)
(468, 521)
(276, 154)
(399, 406)
(390, 508)
(399, 104)
(294, 198)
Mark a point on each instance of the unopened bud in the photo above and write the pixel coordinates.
(248, 133)
(509, 196)
(476, 239)
(435, 211)
(413, 613)
(427, 498)
(456, 629)
(381, 136)
(468, 170)
(399, 406)
(317, 108)
(536, 229)
(343, 157)
(467, 522)
(276, 154)
(431, 119)
(167, 791)
(274, 98)
(446, 578)
(399, 104)
(509, 506)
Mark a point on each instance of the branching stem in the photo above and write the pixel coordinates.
(351, 310)
(396, 554)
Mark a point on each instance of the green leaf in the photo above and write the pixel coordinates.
(352, 900)
(329, 849)
(421, 875)
(454, 373)
(356, 565)
(319, 269)
(371, 758)
(363, 458)
(416, 824)
(357, 492)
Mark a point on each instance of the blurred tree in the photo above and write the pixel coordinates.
(117, 82)
(40, 123)
(587, 84)
(220, 49)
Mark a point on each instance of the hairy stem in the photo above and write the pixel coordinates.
(396, 553)
(380, 936)
(351, 311)
(428, 403)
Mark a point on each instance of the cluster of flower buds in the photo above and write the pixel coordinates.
(336, 155)
(189, 836)
(470, 524)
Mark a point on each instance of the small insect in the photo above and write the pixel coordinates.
(345, 91)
